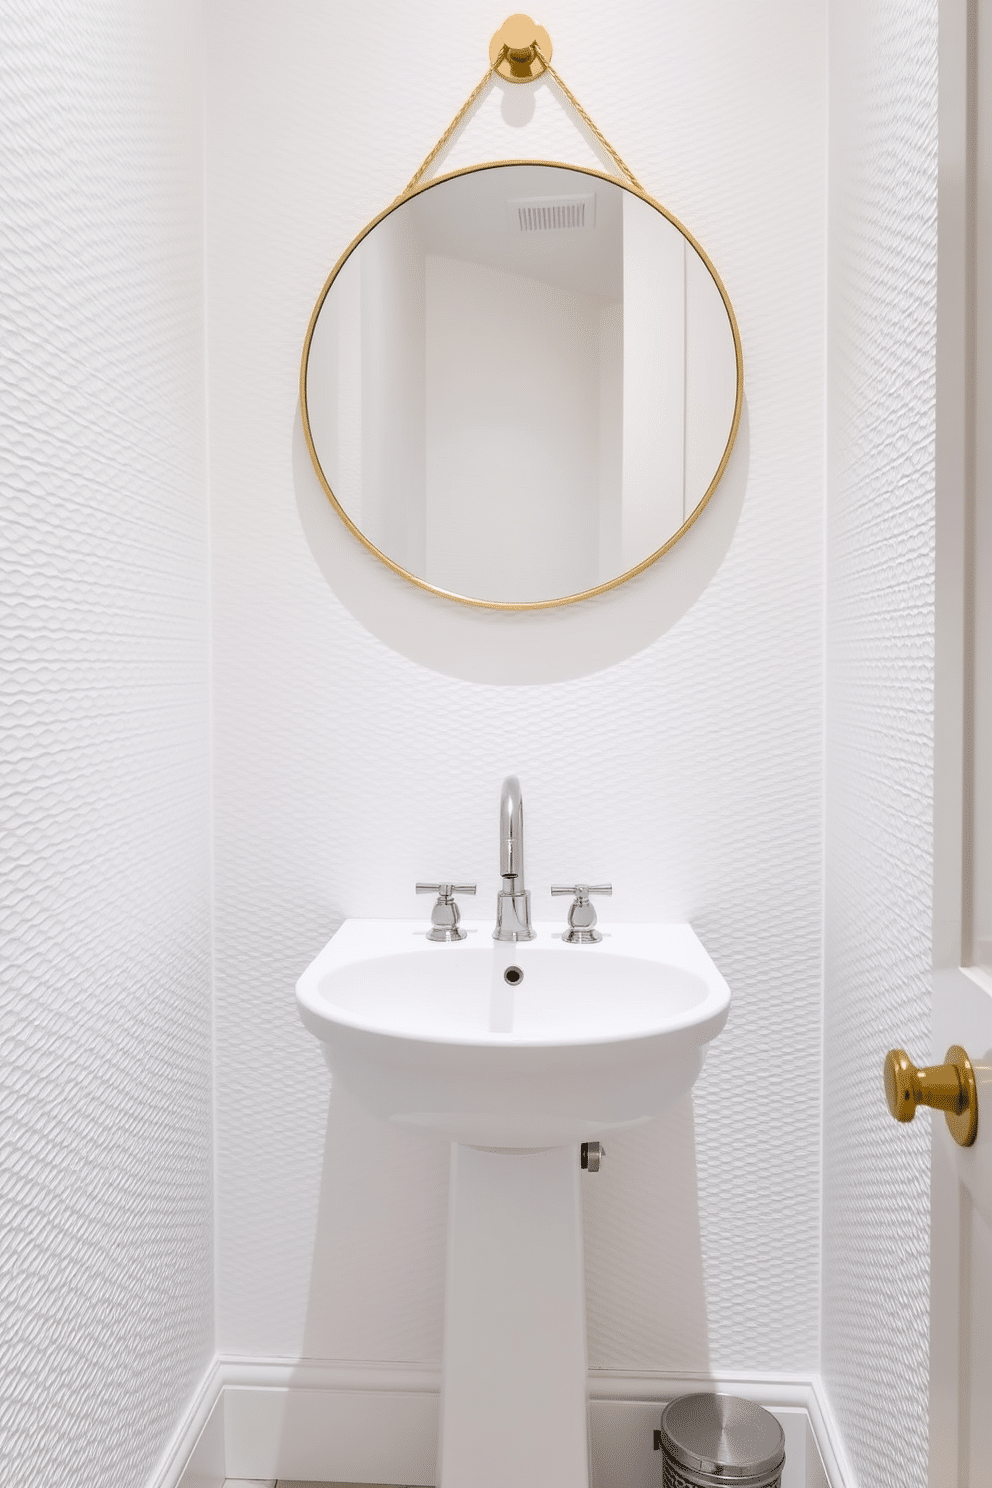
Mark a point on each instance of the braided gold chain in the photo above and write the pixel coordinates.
(470, 100)
(419, 174)
(586, 119)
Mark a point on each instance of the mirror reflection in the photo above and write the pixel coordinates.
(521, 383)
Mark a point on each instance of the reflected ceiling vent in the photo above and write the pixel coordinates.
(540, 214)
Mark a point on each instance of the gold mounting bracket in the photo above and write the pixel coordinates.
(521, 50)
(949, 1087)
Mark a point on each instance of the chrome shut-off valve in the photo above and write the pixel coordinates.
(581, 915)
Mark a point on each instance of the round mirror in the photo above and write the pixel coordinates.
(521, 384)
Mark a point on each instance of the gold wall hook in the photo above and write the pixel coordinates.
(513, 51)
(949, 1087)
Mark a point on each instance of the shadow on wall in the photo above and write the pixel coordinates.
(552, 645)
(645, 1292)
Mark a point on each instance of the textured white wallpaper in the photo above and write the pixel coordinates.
(883, 249)
(105, 1147)
(690, 775)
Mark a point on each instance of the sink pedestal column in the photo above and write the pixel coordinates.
(514, 1408)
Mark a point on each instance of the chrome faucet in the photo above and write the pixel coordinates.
(513, 900)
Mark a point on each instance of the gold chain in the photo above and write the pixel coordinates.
(586, 119)
(454, 124)
(470, 100)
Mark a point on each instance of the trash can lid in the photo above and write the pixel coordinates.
(723, 1435)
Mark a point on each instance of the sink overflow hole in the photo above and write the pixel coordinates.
(513, 975)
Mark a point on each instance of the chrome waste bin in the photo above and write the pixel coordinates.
(720, 1441)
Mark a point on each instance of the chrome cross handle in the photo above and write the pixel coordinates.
(445, 914)
(581, 915)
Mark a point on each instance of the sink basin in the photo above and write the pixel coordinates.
(591, 1038)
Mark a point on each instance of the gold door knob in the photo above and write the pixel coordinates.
(949, 1087)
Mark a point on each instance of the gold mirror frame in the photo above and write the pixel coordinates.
(567, 599)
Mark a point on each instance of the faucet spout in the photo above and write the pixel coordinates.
(513, 900)
(511, 831)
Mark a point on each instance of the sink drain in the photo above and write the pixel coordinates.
(513, 976)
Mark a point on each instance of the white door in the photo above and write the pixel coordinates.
(961, 1185)
(961, 1252)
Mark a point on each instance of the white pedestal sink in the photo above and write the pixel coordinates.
(514, 1072)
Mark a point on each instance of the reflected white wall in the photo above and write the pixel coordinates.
(512, 433)
(610, 440)
(392, 383)
(653, 381)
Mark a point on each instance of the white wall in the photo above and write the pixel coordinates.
(690, 774)
(883, 241)
(512, 443)
(105, 1149)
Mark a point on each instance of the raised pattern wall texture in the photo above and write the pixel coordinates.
(883, 243)
(105, 1032)
(690, 775)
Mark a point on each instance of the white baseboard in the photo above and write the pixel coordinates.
(353, 1423)
(829, 1438)
(196, 1454)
